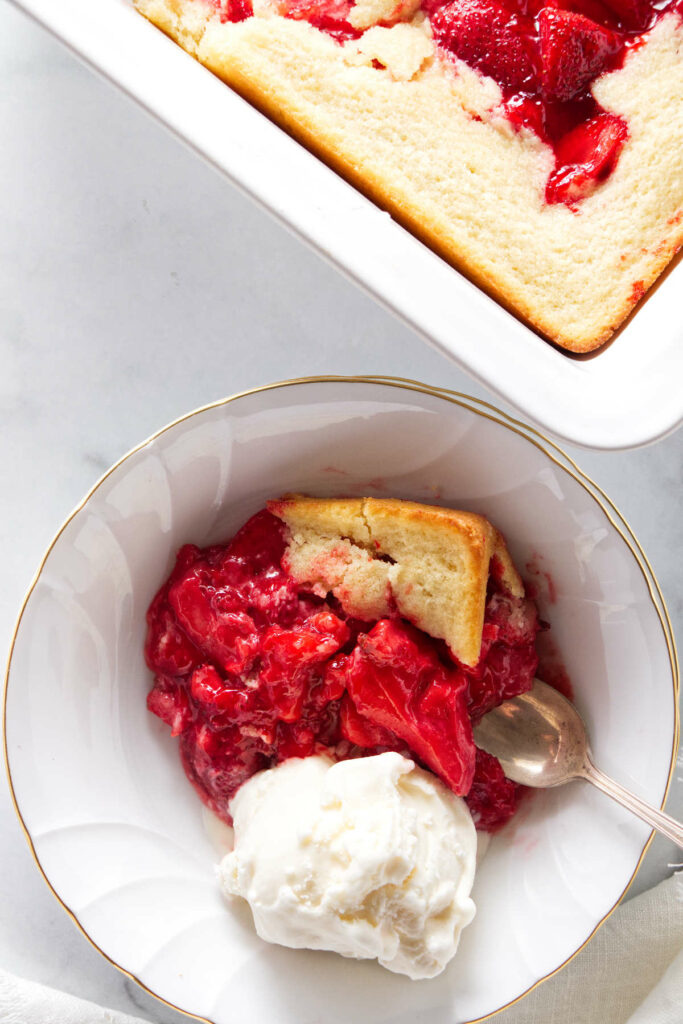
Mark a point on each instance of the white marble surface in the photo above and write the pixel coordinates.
(136, 284)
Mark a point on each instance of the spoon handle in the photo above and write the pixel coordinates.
(664, 823)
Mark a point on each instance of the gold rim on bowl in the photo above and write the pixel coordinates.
(480, 408)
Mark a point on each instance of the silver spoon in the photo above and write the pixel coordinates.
(540, 740)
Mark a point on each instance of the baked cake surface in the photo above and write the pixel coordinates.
(377, 556)
(427, 139)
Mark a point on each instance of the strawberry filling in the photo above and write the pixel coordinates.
(250, 670)
(545, 57)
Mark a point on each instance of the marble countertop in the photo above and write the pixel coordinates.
(118, 246)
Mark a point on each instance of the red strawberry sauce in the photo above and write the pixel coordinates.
(250, 670)
(544, 55)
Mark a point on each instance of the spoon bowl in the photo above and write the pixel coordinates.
(540, 740)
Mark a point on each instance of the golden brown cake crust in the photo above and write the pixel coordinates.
(377, 555)
(572, 275)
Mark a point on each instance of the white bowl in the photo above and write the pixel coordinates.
(120, 835)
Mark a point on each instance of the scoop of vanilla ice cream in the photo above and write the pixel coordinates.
(372, 857)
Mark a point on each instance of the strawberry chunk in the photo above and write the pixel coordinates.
(507, 672)
(167, 649)
(634, 14)
(240, 10)
(290, 657)
(360, 731)
(493, 799)
(396, 680)
(169, 702)
(597, 10)
(510, 620)
(295, 739)
(234, 10)
(330, 686)
(228, 637)
(585, 157)
(217, 764)
(574, 50)
(258, 546)
(221, 701)
(330, 16)
(508, 659)
(486, 35)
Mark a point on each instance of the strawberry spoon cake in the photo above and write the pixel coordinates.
(537, 146)
(342, 628)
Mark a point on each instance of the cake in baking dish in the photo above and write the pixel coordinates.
(538, 148)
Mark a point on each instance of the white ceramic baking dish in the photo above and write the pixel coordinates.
(627, 395)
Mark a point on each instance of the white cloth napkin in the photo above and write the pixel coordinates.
(630, 973)
(26, 1002)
